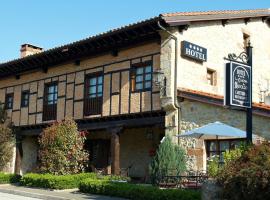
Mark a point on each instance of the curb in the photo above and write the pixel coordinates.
(32, 194)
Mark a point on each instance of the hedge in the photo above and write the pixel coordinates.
(54, 181)
(62, 181)
(135, 191)
(9, 178)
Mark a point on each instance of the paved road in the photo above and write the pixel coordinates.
(5, 196)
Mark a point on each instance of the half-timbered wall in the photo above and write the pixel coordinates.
(117, 95)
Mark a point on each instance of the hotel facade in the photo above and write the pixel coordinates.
(131, 86)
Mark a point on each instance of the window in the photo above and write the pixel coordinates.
(141, 77)
(93, 94)
(246, 40)
(25, 99)
(9, 101)
(50, 102)
(216, 148)
(211, 77)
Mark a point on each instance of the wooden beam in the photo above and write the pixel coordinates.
(115, 149)
(19, 155)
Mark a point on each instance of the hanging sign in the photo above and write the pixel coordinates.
(194, 51)
(238, 85)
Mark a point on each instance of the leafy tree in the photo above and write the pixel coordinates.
(6, 139)
(169, 160)
(61, 149)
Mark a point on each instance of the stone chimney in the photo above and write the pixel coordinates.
(29, 49)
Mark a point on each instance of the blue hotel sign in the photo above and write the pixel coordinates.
(194, 51)
(238, 85)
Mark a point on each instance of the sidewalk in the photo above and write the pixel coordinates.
(51, 194)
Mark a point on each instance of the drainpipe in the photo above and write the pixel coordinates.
(175, 72)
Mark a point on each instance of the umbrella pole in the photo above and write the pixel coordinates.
(217, 147)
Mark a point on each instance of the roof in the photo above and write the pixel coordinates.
(214, 99)
(181, 18)
(121, 37)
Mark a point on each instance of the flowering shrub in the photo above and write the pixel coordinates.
(248, 176)
(61, 149)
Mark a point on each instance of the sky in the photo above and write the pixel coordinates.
(52, 23)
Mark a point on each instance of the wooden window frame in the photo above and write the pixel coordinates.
(213, 78)
(133, 76)
(218, 151)
(93, 105)
(24, 100)
(50, 110)
(9, 104)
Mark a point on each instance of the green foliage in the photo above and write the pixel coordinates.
(54, 181)
(61, 149)
(214, 167)
(170, 158)
(248, 176)
(135, 192)
(63, 181)
(9, 178)
(6, 140)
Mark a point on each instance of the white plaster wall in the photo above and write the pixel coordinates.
(220, 41)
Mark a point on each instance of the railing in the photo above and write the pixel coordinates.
(93, 106)
(49, 112)
(191, 180)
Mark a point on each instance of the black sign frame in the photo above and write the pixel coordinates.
(235, 83)
(196, 52)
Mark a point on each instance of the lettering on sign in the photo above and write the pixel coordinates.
(238, 85)
(194, 51)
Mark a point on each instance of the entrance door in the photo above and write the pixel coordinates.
(99, 151)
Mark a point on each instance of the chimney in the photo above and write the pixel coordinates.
(29, 49)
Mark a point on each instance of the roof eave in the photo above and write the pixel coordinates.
(185, 20)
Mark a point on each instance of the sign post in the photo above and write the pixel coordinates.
(238, 92)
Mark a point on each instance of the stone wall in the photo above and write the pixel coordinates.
(195, 114)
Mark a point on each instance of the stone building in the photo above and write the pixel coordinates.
(130, 86)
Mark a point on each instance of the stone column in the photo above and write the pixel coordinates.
(115, 149)
(19, 154)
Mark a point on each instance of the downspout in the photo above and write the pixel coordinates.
(175, 73)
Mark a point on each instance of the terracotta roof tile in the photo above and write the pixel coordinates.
(220, 97)
(215, 12)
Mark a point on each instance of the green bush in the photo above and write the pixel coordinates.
(63, 181)
(7, 139)
(61, 149)
(214, 167)
(248, 176)
(134, 191)
(170, 158)
(9, 178)
(54, 181)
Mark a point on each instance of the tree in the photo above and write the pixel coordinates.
(61, 149)
(170, 158)
(6, 139)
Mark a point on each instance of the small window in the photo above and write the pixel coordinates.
(25, 99)
(9, 101)
(211, 77)
(93, 94)
(141, 77)
(218, 147)
(246, 40)
(50, 101)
